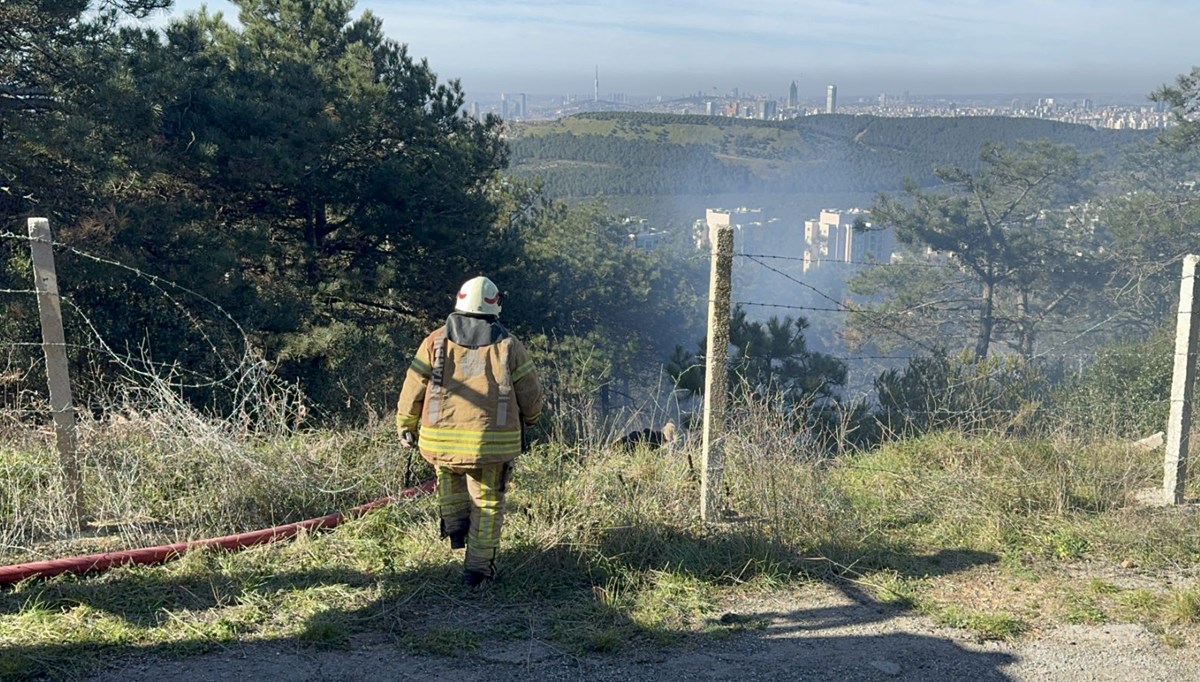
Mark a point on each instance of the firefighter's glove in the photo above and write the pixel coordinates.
(408, 438)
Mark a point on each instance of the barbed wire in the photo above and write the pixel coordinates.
(929, 305)
(1074, 355)
(155, 279)
(990, 401)
(43, 344)
(840, 306)
(831, 261)
(999, 368)
(1061, 356)
(1150, 267)
(127, 362)
(163, 285)
(792, 307)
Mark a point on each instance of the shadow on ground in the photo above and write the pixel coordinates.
(618, 611)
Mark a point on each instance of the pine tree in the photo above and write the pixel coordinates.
(1013, 228)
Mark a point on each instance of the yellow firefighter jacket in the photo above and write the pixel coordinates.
(468, 392)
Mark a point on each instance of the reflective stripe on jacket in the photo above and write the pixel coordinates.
(470, 404)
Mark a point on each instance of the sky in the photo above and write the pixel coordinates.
(866, 47)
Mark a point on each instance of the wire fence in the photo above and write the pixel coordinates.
(237, 361)
(185, 444)
(168, 451)
(882, 319)
(129, 372)
(1001, 387)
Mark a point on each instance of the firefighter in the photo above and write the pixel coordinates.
(468, 395)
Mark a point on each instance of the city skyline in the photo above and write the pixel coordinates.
(666, 48)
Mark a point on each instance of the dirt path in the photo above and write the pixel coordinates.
(819, 633)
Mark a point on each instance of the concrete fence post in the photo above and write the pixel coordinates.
(1183, 379)
(716, 372)
(54, 345)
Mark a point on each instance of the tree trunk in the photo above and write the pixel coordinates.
(987, 320)
(1024, 326)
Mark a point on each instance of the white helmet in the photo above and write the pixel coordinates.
(479, 296)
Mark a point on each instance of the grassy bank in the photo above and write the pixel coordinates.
(603, 549)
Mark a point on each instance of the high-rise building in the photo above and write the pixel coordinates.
(596, 93)
(832, 238)
(831, 99)
(524, 106)
(503, 106)
(475, 109)
(754, 231)
(793, 96)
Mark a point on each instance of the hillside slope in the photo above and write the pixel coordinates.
(614, 154)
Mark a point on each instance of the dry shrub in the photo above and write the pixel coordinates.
(156, 468)
(777, 473)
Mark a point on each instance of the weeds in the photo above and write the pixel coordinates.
(986, 626)
(443, 641)
(1183, 607)
(602, 550)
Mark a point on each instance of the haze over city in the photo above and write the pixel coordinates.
(867, 47)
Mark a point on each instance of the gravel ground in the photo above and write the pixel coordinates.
(820, 633)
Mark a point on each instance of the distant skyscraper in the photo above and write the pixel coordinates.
(596, 93)
(475, 109)
(503, 106)
(524, 106)
(831, 99)
(793, 96)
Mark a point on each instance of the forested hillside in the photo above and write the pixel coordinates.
(321, 198)
(606, 154)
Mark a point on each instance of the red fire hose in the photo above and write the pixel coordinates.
(98, 563)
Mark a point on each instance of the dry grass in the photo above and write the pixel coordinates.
(997, 535)
(160, 471)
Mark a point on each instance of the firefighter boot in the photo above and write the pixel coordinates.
(474, 579)
(473, 576)
(457, 532)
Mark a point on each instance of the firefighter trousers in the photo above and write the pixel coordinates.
(472, 499)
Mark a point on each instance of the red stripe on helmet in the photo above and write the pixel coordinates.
(493, 300)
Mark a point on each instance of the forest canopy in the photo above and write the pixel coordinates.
(300, 171)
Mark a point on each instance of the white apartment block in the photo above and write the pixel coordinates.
(832, 238)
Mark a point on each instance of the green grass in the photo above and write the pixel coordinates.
(603, 551)
(1083, 609)
(1138, 605)
(986, 626)
(443, 641)
(1183, 607)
